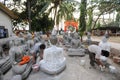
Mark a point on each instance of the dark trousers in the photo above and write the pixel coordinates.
(92, 58)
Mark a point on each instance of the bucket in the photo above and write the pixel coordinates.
(35, 67)
(82, 62)
(112, 69)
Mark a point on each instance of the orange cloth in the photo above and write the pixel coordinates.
(25, 59)
(70, 23)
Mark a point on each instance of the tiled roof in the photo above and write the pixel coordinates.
(7, 11)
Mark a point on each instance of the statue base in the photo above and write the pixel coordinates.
(76, 52)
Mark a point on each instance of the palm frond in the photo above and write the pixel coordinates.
(45, 8)
(72, 1)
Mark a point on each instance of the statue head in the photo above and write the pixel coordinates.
(17, 42)
(53, 39)
(21, 34)
(29, 36)
(72, 35)
(76, 36)
(104, 39)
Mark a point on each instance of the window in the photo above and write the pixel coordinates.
(3, 32)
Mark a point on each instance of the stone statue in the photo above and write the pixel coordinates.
(17, 52)
(1, 51)
(5, 63)
(106, 34)
(53, 59)
(76, 46)
(67, 38)
(1, 75)
(104, 44)
(30, 42)
(88, 38)
(64, 38)
(75, 42)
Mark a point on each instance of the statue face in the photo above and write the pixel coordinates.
(76, 36)
(18, 57)
(104, 39)
(53, 39)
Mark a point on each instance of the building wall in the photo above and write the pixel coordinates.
(6, 21)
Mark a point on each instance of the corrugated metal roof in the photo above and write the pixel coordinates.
(7, 11)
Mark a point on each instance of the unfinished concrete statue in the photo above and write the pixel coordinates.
(67, 39)
(17, 54)
(76, 46)
(64, 38)
(106, 34)
(104, 44)
(5, 62)
(1, 75)
(53, 59)
(1, 51)
(12, 40)
(88, 38)
(30, 42)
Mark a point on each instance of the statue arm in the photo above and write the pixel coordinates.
(12, 56)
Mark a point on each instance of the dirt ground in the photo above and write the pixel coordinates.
(75, 71)
(115, 39)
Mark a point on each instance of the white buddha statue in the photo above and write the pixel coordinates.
(1, 75)
(17, 52)
(88, 40)
(104, 44)
(30, 42)
(53, 59)
(1, 51)
(5, 63)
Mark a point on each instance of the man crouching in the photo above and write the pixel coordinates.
(97, 55)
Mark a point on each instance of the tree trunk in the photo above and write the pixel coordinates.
(4, 2)
(29, 14)
(82, 20)
(96, 20)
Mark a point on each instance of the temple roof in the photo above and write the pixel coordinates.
(7, 11)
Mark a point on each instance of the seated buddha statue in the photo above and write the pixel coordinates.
(29, 41)
(88, 40)
(1, 75)
(17, 54)
(105, 45)
(5, 63)
(53, 60)
(1, 52)
(76, 46)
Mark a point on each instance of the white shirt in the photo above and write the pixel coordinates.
(95, 49)
(35, 48)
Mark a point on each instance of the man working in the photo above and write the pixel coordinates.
(96, 55)
(37, 48)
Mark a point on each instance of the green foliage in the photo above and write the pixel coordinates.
(38, 21)
(98, 25)
(82, 20)
(90, 18)
(118, 17)
(43, 23)
(65, 11)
